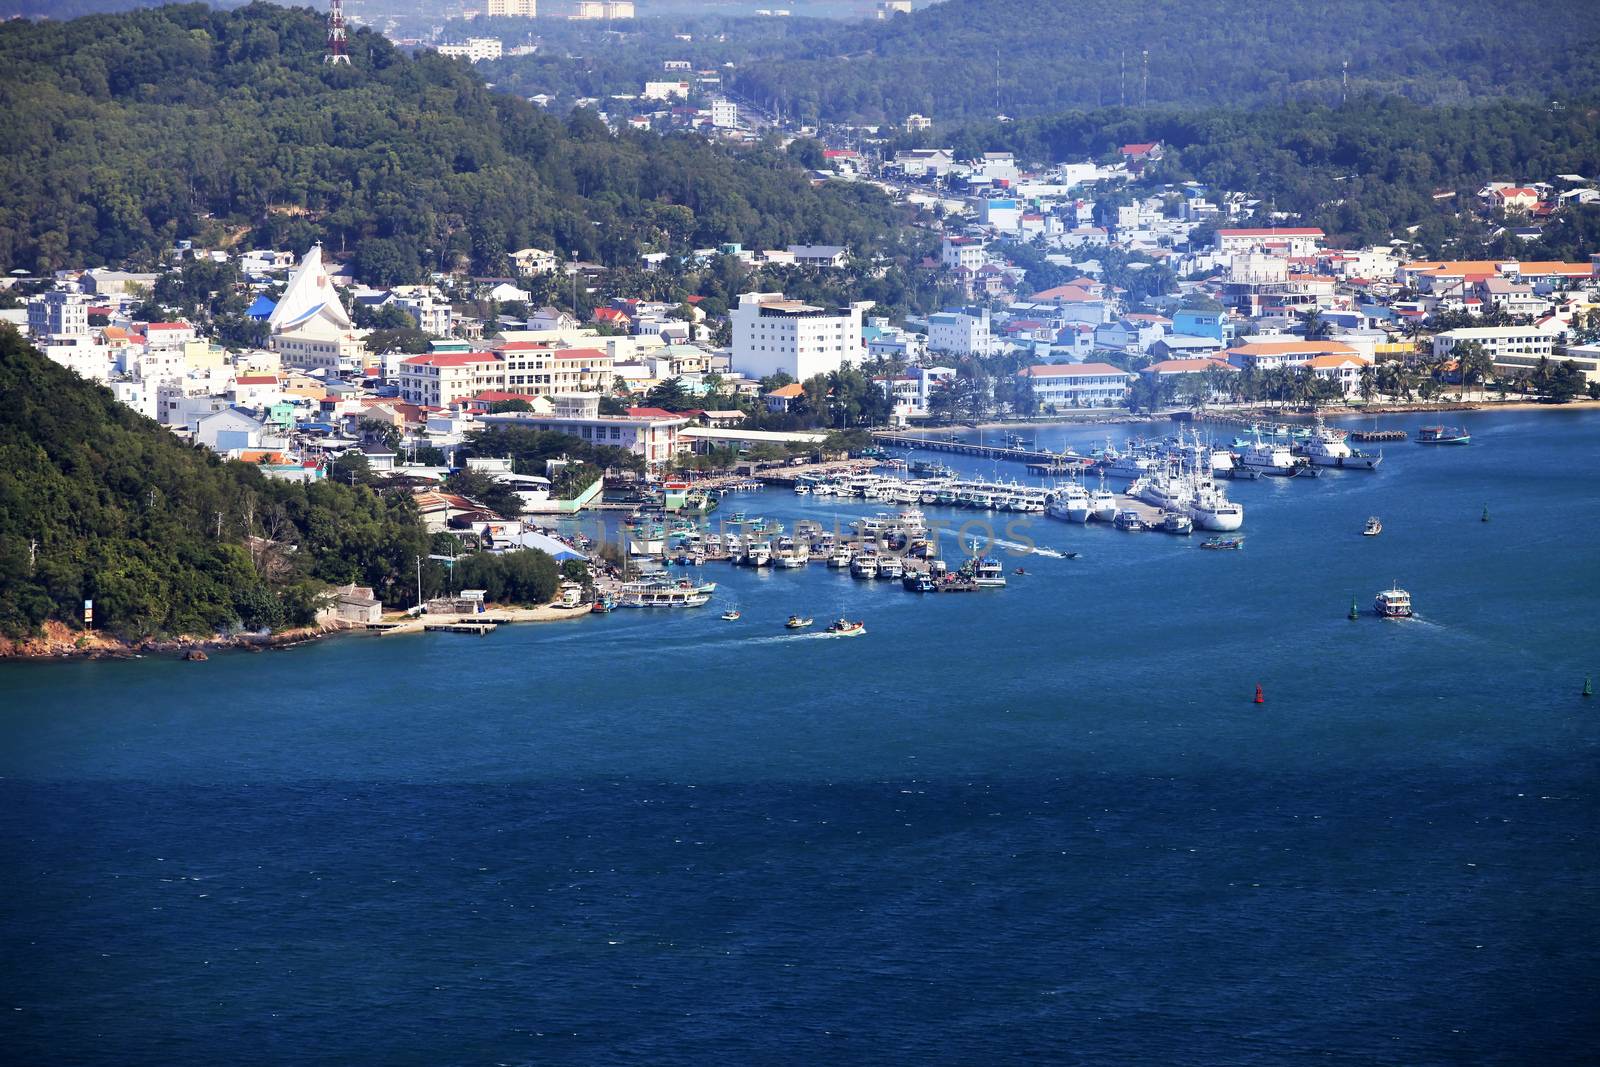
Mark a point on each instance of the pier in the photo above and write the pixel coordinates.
(478, 628)
(1046, 461)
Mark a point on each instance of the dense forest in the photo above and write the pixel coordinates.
(953, 60)
(967, 60)
(1362, 171)
(126, 132)
(99, 503)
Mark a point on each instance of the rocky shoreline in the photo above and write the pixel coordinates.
(59, 641)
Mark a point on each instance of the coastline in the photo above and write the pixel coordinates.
(58, 642)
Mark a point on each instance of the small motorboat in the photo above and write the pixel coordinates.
(1373, 527)
(1071, 555)
(1019, 570)
(797, 622)
(603, 605)
(1223, 542)
(846, 628)
(1393, 603)
(730, 616)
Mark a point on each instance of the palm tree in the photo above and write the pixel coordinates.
(1368, 376)
(1315, 327)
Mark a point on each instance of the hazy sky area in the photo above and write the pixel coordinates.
(446, 9)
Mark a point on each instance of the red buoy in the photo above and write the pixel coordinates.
(1260, 697)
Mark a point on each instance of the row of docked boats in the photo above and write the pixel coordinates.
(1259, 455)
(1187, 499)
(944, 490)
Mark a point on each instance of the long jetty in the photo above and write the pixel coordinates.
(1034, 457)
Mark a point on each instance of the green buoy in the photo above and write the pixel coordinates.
(1588, 687)
(1355, 613)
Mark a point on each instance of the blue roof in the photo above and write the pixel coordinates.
(261, 308)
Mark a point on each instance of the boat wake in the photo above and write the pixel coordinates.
(974, 545)
(779, 638)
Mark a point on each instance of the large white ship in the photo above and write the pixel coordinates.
(1331, 448)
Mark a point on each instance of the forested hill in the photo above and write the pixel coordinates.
(943, 61)
(125, 132)
(99, 503)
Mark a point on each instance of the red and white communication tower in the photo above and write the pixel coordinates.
(336, 34)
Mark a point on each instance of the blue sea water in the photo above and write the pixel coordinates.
(1040, 824)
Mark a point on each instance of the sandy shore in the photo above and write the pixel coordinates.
(406, 624)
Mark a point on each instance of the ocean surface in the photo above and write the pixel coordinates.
(1044, 823)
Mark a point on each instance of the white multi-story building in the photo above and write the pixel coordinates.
(772, 335)
(442, 378)
(965, 252)
(1277, 240)
(58, 314)
(424, 304)
(164, 336)
(724, 114)
(474, 50)
(80, 353)
(1077, 385)
(652, 437)
(665, 90)
(540, 369)
(960, 332)
(534, 261)
(1513, 348)
(526, 9)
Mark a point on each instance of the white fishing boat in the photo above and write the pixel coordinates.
(1211, 509)
(864, 567)
(1270, 457)
(890, 568)
(1102, 503)
(1327, 447)
(840, 558)
(1072, 504)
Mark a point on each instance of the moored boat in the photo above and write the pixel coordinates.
(1175, 522)
(1128, 519)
